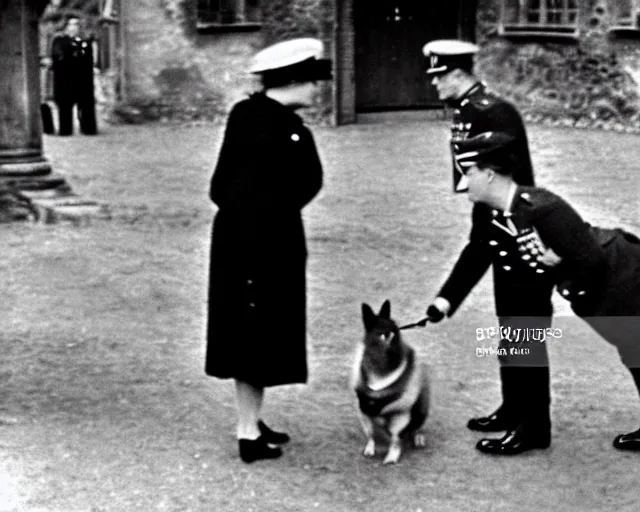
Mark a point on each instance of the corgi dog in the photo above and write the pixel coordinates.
(392, 386)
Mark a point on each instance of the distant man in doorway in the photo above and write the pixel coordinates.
(72, 62)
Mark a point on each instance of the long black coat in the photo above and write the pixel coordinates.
(268, 169)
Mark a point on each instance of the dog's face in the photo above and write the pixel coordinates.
(381, 331)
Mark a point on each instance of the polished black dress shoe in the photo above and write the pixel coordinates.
(271, 436)
(257, 449)
(516, 441)
(629, 442)
(497, 422)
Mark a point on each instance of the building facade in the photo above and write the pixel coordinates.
(568, 62)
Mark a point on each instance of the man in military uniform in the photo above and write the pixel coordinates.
(522, 299)
(72, 62)
(541, 236)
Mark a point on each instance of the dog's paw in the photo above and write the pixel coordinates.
(370, 448)
(393, 455)
(419, 440)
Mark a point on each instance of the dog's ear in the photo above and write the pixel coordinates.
(385, 310)
(368, 317)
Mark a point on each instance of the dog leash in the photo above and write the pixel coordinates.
(419, 323)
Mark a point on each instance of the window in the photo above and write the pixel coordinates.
(539, 17)
(626, 16)
(232, 13)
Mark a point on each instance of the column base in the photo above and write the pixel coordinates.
(31, 191)
(25, 169)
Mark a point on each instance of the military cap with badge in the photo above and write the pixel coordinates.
(444, 55)
(292, 61)
(492, 148)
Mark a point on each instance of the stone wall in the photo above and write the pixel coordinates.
(285, 19)
(590, 82)
(175, 72)
(178, 72)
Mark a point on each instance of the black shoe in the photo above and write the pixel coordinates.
(496, 422)
(257, 449)
(629, 442)
(271, 436)
(516, 441)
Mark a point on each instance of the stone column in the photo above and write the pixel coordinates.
(20, 126)
(28, 188)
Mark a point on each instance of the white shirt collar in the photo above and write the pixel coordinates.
(510, 198)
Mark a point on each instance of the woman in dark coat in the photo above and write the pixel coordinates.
(596, 269)
(268, 169)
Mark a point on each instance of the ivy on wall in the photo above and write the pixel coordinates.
(568, 86)
(285, 19)
(583, 83)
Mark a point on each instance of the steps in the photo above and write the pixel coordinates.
(32, 192)
(53, 207)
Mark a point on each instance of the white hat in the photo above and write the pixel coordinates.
(449, 47)
(447, 54)
(286, 53)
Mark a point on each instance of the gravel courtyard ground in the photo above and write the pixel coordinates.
(103, 402)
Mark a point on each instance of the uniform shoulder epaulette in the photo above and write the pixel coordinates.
(483, 100)
(526, 197)
(530, 198)
(534, 196)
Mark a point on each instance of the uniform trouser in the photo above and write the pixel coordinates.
(524, 368)
(65, 117)
(86, 116)
(623, 332)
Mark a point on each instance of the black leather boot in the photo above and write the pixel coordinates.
(534, 429)
(506, 416)
(629, 442)
(500, 420)
(272, 436)
(525, 437)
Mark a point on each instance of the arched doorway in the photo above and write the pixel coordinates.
(388, 40)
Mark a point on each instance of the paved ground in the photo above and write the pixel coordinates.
(103, 402)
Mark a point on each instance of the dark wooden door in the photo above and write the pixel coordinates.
(389, 36)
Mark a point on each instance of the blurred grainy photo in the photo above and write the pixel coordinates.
(333, 255)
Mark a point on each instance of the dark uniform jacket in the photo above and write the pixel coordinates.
(522, 288)
(72, 69)
(517, 290)
(600, 268)
(268, 169)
